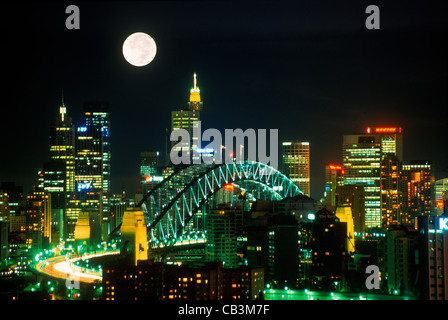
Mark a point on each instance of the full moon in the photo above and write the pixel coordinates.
(139, 49)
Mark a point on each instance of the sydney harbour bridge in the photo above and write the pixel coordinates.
(175, 210)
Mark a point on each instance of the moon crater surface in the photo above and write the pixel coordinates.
(139, 49)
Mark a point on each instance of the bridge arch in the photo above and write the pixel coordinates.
(175, 207)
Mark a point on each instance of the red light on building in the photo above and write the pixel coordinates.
(439, 204)
(148, 178)
(229, 187)
(334, 167)
(386, 130)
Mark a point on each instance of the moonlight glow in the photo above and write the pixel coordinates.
(139, 49)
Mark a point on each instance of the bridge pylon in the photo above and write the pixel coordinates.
(134, 234)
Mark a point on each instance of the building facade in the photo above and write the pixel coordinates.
(390, 190)
(334, 177)
(187, 119)
(433, 257)
(362, 155)
(62, 160)
(417, 191)
(296, 164)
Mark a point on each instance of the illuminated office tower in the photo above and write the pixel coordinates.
(4, 206)
(54, 182)
(390, 190)
(97, 116)
(223, 227)
(354, 196)
(296, 164)
(62, 161)
(417, 191)
(195, 102)
(362, 155)
(133, 233)
(188, 119)
(88, 179)
(432, 281)
(334, 175)
(441, 197)
(62, 145)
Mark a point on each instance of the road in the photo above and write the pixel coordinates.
(63, 268)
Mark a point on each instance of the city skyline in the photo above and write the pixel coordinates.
(98, 203)
(297, 75)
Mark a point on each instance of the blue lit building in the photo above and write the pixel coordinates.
(88, 180)
(97, 116)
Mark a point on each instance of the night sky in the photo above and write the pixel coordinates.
(308, 68)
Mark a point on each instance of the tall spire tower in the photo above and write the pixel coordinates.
(195, 103)
(62, 108)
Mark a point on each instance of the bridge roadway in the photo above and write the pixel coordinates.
(63, 268)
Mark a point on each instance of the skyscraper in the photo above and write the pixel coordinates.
(62, 145)
(417, 191)
(38, 220)
(441, 197)
(149, 170)
(362, 155)
(89, 177)
(62, 161)
(54, 182)
(296, 164)
(390, 190)
(432, 258)
(97, 115)
(334, 175)
(188, 119)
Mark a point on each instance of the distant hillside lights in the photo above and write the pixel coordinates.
(213, 152)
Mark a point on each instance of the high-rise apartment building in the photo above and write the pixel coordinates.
(390, 190)
(296, 164)
(417, 190)
(362, 155)
(62, 146)
(401, 269)
(38, 220)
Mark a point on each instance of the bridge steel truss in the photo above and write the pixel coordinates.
(175, 210)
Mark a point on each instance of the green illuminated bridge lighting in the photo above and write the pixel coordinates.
(175, 209)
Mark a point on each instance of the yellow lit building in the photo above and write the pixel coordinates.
(344, 213)
(188, 119)
(82, 229)
(133, 234)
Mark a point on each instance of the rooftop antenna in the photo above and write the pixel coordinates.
(62, 109)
